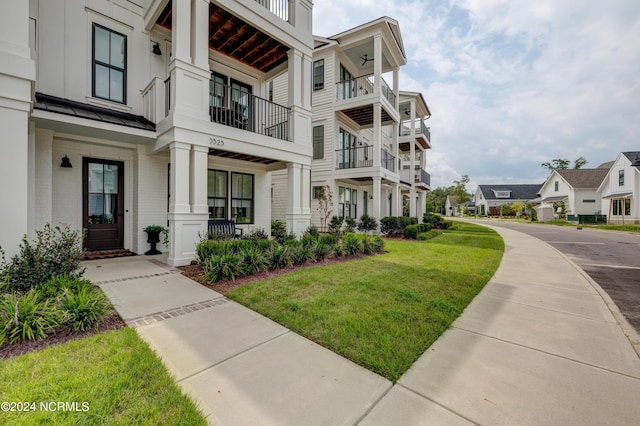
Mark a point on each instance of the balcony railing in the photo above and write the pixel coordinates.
(233, 107)
(360, 86)
(423, 177)
(417, 176)
(352, 158)
(421, 127)
(280, 8)
(387, 160)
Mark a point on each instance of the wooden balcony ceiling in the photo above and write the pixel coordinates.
(237, 39)
(364, 115)
(240, 156)
(424, 143)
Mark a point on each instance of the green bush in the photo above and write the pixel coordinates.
(223, 267)
(55, 251)
(320, 250)
(254, 260)
(207, 248)
(412, 231)
(308, 240)
(300, 254)
(328, 239)
(335, 225)
(395, 225)
(255, 235)
(27, 317)
(84, 308)
(338, 249)
(349, 225)
(55, 286)
(367, 223)
(378, 244)
(279, 231)
(352, 244)
(312, 231)
(281, 257)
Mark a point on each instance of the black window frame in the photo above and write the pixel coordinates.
(232, 198)
(318, 74)
(350, 208)
(213, 198)
(318, 142)
(111, 67)
(621, 177)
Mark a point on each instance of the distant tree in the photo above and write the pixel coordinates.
(460, 190)
(563, 163)
(437, 198)
(518, 207)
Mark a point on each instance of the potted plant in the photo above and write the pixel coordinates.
(153, 237)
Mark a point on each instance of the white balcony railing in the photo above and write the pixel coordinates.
(361, 86)
(280, 8)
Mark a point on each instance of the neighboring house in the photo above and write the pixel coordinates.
(119, 114)
(620, 189)
(369, 138)
(487, 198)
(577, 189)
(451, 206)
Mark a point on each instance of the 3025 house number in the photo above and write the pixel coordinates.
(216, 142)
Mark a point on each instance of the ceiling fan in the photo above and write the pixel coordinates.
(365, 59)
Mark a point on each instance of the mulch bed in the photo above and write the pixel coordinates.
(111, 321)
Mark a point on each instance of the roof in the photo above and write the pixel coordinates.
(607, 165)
(91, 112)
(634, 157)
(518, 191)
(583, 178)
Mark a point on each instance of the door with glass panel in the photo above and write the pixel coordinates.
(103, 203)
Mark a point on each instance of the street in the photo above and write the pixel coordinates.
(612, 259)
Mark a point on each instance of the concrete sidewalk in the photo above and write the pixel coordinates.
(539, 345)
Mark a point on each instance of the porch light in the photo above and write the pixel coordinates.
(66, 163)
(156, 48)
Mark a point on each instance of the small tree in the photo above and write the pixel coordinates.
(367, 223)
(349, 225)
(325, 205)
(517, 207)
(335, 225)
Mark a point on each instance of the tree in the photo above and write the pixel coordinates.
(563, 163)
(460, 190)
(436, 199)
(518, 207)
(325, 205)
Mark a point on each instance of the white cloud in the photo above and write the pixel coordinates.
(513, 83)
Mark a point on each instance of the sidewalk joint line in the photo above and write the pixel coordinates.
(550, 353)
(374, 405)
(175, 312)
(415, 392)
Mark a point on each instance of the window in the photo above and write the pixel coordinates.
(347, 202)
(316, 192)
(346, 150)
(318, 142)
(588, 201)
(621, 178)
(617, 207)
(556, 186)
(242, 197)
(216, 90)
(109, 64)
(347, 86)
(502, 194)
(365, 202)
(217, 190)
(318, 75)
(271, 91)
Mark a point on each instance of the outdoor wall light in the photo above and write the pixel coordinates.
(156, 48)
(66, 163)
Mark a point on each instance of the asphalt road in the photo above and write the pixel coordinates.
(611, 258)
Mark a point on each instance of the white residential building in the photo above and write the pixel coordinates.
(620, 189)
(119, 114)
(369, 139)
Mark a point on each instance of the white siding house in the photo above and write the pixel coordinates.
(620, 189)
(119, 114)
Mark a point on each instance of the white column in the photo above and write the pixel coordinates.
(299, 72)
(421, 204)
(396, 88)
(198, 179)
(395, 200)
(181, 30)
(377, 197)
(294, 180)
(305, 198)
(377, 135)
(298, 211)
(377, 63)
(17, 74)
(180, 178)
(412, 202)
(200, 34)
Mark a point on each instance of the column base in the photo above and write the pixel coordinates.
(298, 223)
(185, 231)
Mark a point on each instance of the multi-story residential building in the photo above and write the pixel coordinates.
(369, 139)
(119, 114)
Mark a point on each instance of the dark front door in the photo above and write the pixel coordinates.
(103, 203)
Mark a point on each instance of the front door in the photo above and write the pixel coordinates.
(103, 203)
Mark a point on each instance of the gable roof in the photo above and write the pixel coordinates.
(583, 178)
(633, 156)
(518, 191)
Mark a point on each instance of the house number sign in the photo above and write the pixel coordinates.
(216, 142)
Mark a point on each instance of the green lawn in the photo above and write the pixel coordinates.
(382, 311)
(113, 378)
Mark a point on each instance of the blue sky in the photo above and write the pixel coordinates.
(513, 83)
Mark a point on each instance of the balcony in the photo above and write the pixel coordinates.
(422, 134)
(229, 107)
(353, 158)
(388, 161)
(362, 88)
(280, 8)
(420, 178)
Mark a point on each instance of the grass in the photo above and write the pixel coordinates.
(115, 374)
(382, 311)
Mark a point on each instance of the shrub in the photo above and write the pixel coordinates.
(328, 239)
(279, 231)
(308, 240)
(207, 248)
(223, 267)
(56, 286)
(84, 308)
(26, 317)
(378, 244)
(412, 231)
(349, 225)
(367, 245)
(352, 244)
(335, 225)
(300, 254)
(367, 223)
(395, 225)
(312, 231)
(55, 251)
(321, 250)
(338, 249)
(281, 257)
(255, 235)
(254, 260)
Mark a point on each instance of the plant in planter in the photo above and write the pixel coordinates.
(153, 237)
